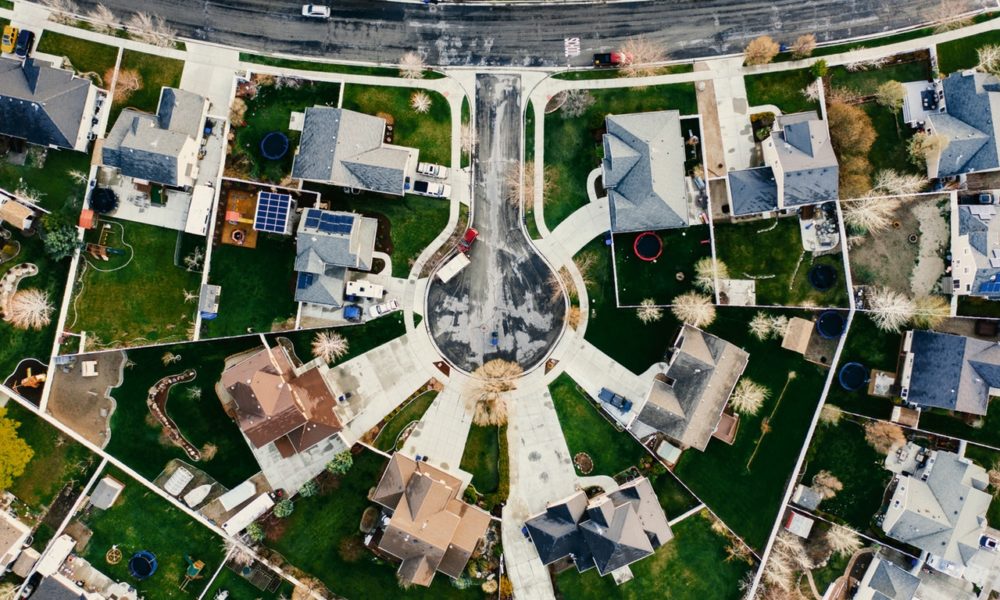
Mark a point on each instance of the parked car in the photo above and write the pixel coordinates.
(353, 313)
(432, 170)
(315, 11)
(432, 189)
(466, 243)
(608, 59)
(9, 39)
(383, 309)
(25, 43)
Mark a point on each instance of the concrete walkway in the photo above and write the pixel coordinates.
(440, 435)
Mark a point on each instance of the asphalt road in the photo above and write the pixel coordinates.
(526, 35)
(505, 287)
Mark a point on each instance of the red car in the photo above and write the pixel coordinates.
(469, 237)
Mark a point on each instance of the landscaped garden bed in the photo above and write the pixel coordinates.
(430, 131)
(388, 439)
(664, 278)
(325, 67)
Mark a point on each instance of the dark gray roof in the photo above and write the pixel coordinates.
(317, 249)
(325, 288)
(555, 533)
(952, 372)
(971, 100)
(808, 163)
(52, 589)
(643, 170)
(892, 582)
(346, 148)
(181, 111)
(752, 191)
(42, 104)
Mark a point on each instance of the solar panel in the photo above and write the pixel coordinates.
(272, 212)
(305, 280)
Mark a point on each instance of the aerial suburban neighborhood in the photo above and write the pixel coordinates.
(476, 299)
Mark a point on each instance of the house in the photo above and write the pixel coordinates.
(106, 492)
(975, 249)
(15, 213)
(970, 120)
(161, 148)
(938, 505)
(800, 169)
(686, 400)
(953, 372)
(609, 531)
(643, 171)
(46, 106)
(431, 529)
(347, 148)
(276, 402)
(885, 580)
(13, 535)
(327, 244)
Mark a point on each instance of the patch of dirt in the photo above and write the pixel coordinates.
(583, 462)
(84, 403)
(887, 258)
(934, 235)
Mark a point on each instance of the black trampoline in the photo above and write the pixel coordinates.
(142, 565)
(853, 376)
(103, 201)
(648, 246)
(822, 277)
(274, 146)
(831, 324)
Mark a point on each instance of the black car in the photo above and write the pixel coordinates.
(25, 42)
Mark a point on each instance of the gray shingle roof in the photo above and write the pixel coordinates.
(42, 104)
(346, 148)
(643, 171)
(972, 100)
(889, 581)
(953, 372)
(753, 191)
(52, 589)
(808, 163)
(555, 533)
(327, 256)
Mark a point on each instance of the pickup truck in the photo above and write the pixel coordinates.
(608, 59)
(432, 170)
(432, 189)
(465, 244)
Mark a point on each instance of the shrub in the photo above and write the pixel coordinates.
(284, 509)
(255, 532)
(761, 50)
(819, 69)
(309, 489)
(341, 463)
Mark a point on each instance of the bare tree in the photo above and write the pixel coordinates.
(194, 261)
(190, 296)
(78, 177)
(826, 484)
(412, 66)
(760, 51)
(467, 140)
(844, 541)
(748, 396)
(29, 309)
(884, 436)
(760, 326)
(812, 91)
(152, 29)
(329, 345)
(705, 272)
(803, 45)
(945, 17)
(169, 358)
(889, 310)
(576, 103)
(494, 379)
(890, 182)
(989, 58)
(129, 80)
(926, 148)
(830, 414)
(237, 112)
(63, 11)
(648, 311)
(870, 214)
(891, 94)
(102, 19)
(420, 101)
(640, 55)
(585, 262)
(694, 309)
(930, 311)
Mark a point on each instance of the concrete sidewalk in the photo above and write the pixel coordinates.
(441, 433)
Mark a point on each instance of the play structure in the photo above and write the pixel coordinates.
(193, 571)
(274, 145)
(822, 277)
(648, 246)
(142, 565)
(831, 324)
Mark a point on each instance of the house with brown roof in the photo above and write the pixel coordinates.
(278, 402)
(431, 529)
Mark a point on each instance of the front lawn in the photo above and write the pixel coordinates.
(482, 458)
(360, 338)
(667, 277)
(258, 286)
(960, 54)
(782, 89)
(619, 73)
(865, 83)
(155, 72)
(388, 436)
(325, 67)
(88, 58)
(771, 252)
(194, 407)
(136, 297)
(430, 132)
(692, 566)
(142, 520)
(573, 146)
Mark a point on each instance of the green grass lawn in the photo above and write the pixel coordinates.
(782, 89)
(156, 72)
(692, 566)
(866, 83)
(142, 520)
(529, 158)
(618, 73)
(406, 225)
(842, 450)
(987, 458)
(270, 110)
(361, 338)
(430, 132)
(618, 332)
(744, 494)
(199, 415)
(308, 65)
(639, 279)
(756, 249)
(253, 293)
(573, 146)
(889, 150)
(143, 301)
(978, 307)
(482, 458)
(86, 56)
(412, 412)
(241, 589)
(314, 532)
(961, 53)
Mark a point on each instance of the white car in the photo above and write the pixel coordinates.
(432, 189)
(432, 170)
(315, 11)
(383, 309)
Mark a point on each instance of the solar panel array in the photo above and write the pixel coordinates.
(990, 287)
(272, 212)
(305, 280)
(328, 222)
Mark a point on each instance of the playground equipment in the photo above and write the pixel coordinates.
(648, 246)
(142, 565)
(853, 376)
(31, 381)
(113, 555)
(193, 571)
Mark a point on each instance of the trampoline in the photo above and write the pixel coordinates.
(853, 376)
(274, 145)
(142, 565)
(831, 324)
(822, 277)
(103, 201)
(648, 246)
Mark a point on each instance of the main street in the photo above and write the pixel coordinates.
(525, 35)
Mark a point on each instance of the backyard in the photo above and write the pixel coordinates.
(142, 520)
(388, 436)
(573, 146)
(137, 297)
(782, 89)
(874, 349)
(668, 276)
(770, 251)
(138, 440)
(155, 72)
(89, 59)
(240, 588)
(360, 338)
(430, 132)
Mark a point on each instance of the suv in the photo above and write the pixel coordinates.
(9, 39)
(466, 243)
(432, 170)
(353, 313)
(315, 11)
(382, 309)
(434, 190)
(25, 41)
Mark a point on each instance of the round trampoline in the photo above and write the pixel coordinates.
(822, 277)
(274, 145)
(103, 201)
(831, 324)
(142, 565)
(648, 246)
(853, 376)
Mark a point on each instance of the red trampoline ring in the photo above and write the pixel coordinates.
(647, 246)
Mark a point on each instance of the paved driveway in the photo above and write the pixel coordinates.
(505, 288)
